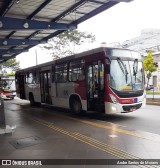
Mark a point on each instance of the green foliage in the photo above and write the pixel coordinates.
(11, 64)
(149, 67)
(10, 74)
(68, 42)
(151, 92)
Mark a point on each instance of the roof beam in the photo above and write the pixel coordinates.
(6, 23)
(15, 42)
(121, 0)
(7, 5)
(97, 2)
(13, 51)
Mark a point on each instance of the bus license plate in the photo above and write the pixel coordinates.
(132, 109)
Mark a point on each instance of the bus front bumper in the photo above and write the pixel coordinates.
(111, 108)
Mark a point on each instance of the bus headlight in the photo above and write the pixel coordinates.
(114, 100)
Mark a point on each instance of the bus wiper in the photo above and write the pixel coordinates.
(135, 68)
(123, 67)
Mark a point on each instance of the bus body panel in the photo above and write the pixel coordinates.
(60, 102)
(35, 90)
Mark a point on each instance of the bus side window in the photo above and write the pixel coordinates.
(29, 78)
(61, 73)
(26, 77)
(101, 74)
(53, 74)
(37, 77)
(49, 79)
(32, 78)
(76, 70)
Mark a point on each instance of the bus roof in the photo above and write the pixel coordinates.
(68, 58)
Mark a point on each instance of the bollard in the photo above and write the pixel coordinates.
(2, 114)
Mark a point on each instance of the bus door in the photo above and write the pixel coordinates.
(45, 87)
(95, 86)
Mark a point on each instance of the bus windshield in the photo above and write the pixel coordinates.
(126, 75)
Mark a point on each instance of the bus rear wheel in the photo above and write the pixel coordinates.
(76, 106)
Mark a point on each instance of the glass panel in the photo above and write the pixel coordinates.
(30, 78)
(45, 82)
(119, 79)
(76, 70)
(49, 79)
(61, 73)
(90, 82)
(137, 78)
(122, 76)
(101, 75)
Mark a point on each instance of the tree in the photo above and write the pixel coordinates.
(149, 66)
(11, 64)
(67, 43)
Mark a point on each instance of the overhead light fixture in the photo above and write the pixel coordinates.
(5, 42)
(17, 1)
(26, 25)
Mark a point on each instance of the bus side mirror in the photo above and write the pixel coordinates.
(107, 68)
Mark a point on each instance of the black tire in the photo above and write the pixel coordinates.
(76, 106)
(31, 99)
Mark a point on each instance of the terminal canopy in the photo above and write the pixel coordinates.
(26, 23)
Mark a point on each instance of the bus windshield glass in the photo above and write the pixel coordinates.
(126, 75)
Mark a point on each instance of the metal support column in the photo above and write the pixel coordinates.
(2, 115)
(3, 127)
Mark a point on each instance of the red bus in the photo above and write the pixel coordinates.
(109, 80)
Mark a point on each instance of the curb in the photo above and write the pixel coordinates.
(153, 103)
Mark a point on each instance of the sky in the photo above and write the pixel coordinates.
(122, 22)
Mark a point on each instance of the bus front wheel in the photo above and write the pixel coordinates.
(76, 106)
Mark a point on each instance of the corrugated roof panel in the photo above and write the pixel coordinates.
(24, 8)
(21, 46)
(3, 47)
(39, 36)
(22, 34)
(4, 33)
(42, 34)
(48, 31)
(70, 18)
(88, 7)
(54, 8)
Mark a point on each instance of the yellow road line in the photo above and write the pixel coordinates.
(115, 129)
(154, 138)
(92, 142)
